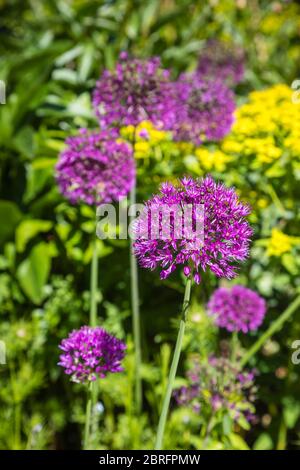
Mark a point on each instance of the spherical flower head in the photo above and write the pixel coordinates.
(89, 353)
(96, 167)
(137, 90)
(223, 61)
(204, 109)
(197, 225)
(237, 308)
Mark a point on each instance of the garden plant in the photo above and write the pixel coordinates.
(150, 231)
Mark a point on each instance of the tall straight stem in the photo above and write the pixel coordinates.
(92, 393)
(93, 285)
(135, 316)
(271, 330)
(88, 419)
(174, 366)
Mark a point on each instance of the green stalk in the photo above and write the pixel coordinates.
(135, 316)
(93, 287)
(271, 330)
(88, 418)
(94, 415)
(174, 366)
(234, 346)
(92, 390)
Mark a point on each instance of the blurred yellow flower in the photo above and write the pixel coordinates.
(212, 160)
(266, 127)
(279, 243)
(145, 136)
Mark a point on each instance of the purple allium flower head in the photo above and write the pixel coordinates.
(205, 109)
(174, 214)
(223, 61)
(237, 309)
(96, 167)
(137, 90)
(89, 353)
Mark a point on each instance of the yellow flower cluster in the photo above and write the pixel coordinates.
(266, 128)
(212, 160)
(286, 17)
(280, 243)
(145, 137)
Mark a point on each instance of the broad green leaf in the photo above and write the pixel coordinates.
(24, 141)
(290, 264)
(263, 442)
(238, 442)
(291, 411)
(10, 215)
(28, 229)
(38, 173)
(33, 272)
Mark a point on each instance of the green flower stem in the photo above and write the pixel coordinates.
(174, 365)
(88, 418)
(275, 326)
(136, 316)
(234, 346)
(93, 288)
(92, 390)
(94, 414)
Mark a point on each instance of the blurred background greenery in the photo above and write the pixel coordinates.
(51, 53)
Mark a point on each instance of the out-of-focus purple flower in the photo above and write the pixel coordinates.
(222, 61)
(204, 109)
(237, 309)
(95, 167)
(185, 395)
(216, 402)
(136, 91)
(218, 387)
(89, 353)
(168, 232)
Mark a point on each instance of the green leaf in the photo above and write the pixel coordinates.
(24, 143)
(263, 442)
(65, 75)
(28, 229)
(102, 249)
(68, 56)
(291, 411)
(289, 262)
(33, 272)
(86, 62)
(275, 171)
(227, 424)
(38, 173)
(10, 215)
(238, 442)
(243, 423)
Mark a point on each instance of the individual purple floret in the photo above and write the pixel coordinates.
(89, 353)
(137, 90)
(222, 61)
(168, 234)
(237, 309)
(95, 167)
(204, 110)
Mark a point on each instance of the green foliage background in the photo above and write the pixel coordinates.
(51, 53)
